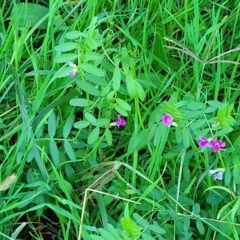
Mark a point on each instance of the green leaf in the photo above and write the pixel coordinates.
(215, 104)
(52, 124)
(54, 152)
(69, 150)
(101, 122)
(93, 136)
(92, 69)
(108, 136)
(64, 47)
(64, 58)
(131, 87)
(30, 14)
(95, 237)
(140, 92)
(93, 56)
(90, 118)
(186, 137)
(140, 140)
(65, 185)
(80, 102)
(157, 229)
(120, 110)
(116, 78)
(195, 105)
(88, 87)
(114, 232)
(63, 72)
(68, 125)
(70, 173)
(130, 227)
(73, 35)
(200, 227)
(81, 124)
(123, 104)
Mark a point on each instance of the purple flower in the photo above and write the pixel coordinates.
(74, 70)
(211, 143)
(217, 144)
(120, 122)
(217, 173)
(167, 120)
(204, 142)
(72, 74)
(218, 176)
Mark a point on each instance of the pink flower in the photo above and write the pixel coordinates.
(204, 142)
(167, 120)
(120, 122)
(211, 143)
(217, 144)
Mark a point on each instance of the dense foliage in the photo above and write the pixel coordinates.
(120, 120)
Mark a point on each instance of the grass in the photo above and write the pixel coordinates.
(67, 171)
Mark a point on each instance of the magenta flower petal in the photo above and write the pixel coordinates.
(167, 119)
(217, 144)
(120, 122)
(203, 142)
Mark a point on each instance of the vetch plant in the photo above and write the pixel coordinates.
(74, 70)
(217, 173)
(167, 120)
(120, 122)
(211, 143)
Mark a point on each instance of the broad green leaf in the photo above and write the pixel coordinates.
(123, 104)
(116, 79)
(65, 47)
(200, 227)
(64, 58)
(146, 236)
(70, 173)
(52, 124)
(73, 35)
(227, 177)
(63, 72)
(131, 87)
(186, 137)
(198, 124)
(140, 140)
(95, 237)
(140, 92)
(93, 136)
(114, 232)
(80, 102)
(92, 69)
(68, 125)
(65, 185)
(54, 152)
(215, 104)
(93, 56)
(157, 229)
(101, 122)
(69, 150)
(90, 118)
(30, 14)
(195, 105)
(108, 136)
(120, 110)
(196, 208)
(88, 87)
(81, 124)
